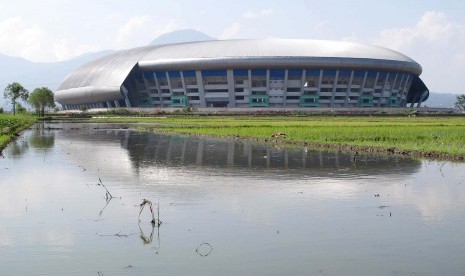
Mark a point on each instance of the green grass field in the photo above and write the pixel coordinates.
(12, 125)
(442, 137)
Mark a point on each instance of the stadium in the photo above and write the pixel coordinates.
(271, 73)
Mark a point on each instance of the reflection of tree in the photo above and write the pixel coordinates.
(42, 141)
(42, 138)
(17, 148)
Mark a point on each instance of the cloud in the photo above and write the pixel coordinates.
(437, 44)
(432, 27)
(140, 30)
(253, 15)
(63, 49)
(19, 39)
(231, 31)
(131, 27)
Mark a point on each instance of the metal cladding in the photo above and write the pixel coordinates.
(113, 78)
(282, 53)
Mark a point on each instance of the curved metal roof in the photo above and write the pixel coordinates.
(108, 73)
(288, 52)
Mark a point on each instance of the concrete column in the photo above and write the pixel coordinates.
(319, 82)
(198, 75)
(267, 81)
(302, 80)
(158, 89)
(286, 77)
(231, 92)
(169, 83)
(334, 88)
(183, 82)
(374, 89)
(125, 94)
(383, 88)
(349, 88)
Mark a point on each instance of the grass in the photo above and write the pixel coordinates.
(11, 126)
(442, 137)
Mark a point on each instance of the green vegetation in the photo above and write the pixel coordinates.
(40, 99)
(11, 125)
(439, 137)
(15, 91)
(460, 103)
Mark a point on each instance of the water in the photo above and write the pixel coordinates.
(228, 208)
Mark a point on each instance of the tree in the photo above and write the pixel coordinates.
(20, 109)
(14, 91)
(460, 103)
(41, 98)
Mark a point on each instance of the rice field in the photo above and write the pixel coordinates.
(442, 137)
(11, 125)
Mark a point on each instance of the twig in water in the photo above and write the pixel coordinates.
(149, 203)
(107, 195)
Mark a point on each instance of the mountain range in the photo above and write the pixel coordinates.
(38, 74)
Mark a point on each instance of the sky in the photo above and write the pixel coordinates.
(431, 32)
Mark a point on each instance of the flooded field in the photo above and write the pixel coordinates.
(227, 207)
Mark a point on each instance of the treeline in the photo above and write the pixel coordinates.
(40, 98)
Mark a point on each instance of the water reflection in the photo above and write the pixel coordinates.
(41, 138)
(17, 148)
(252, 209)
(146, 150)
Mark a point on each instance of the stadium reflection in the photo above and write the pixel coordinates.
(148, 149)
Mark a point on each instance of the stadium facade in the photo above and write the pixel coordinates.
(247, 73)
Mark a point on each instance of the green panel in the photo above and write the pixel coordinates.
(366, 101)
(178, 101)
(258, 100)
(309, 100)
(393, 102)
(145, 102)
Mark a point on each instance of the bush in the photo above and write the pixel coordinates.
(1, 110)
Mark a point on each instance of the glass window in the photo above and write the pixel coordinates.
(370, 80)
(358, 77)
(328, 77)
(258, 77)
(214, 77)
(294, 74)
(344, 77)
(312, 78)
(381, 79)
(390, 80)
(277, 74)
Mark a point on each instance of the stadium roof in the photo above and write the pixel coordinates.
(235, 53)
(105, 76)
